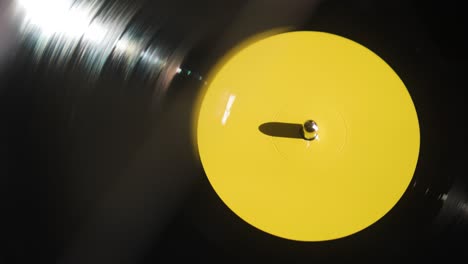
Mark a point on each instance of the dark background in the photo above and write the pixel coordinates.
(133, 191)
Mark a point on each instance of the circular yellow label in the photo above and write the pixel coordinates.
(343, 181)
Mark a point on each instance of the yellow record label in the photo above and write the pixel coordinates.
(341, 182)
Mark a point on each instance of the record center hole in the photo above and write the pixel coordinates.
(310, 130)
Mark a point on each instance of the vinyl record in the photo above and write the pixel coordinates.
(232, 131)
(261, 195)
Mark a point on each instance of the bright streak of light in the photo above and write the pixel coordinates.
(227, 111)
